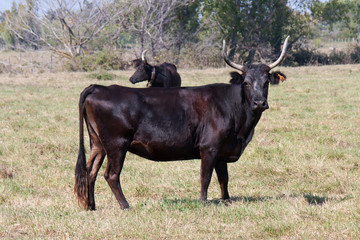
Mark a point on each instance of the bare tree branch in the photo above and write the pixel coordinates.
(150, 21)
(66, 25)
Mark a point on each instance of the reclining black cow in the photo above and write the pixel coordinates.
(213, 123)
(161, 75)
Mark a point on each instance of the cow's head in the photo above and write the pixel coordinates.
(144, 72)
(136, 62)
(255, 79)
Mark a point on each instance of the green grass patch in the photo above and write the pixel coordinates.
(299, 178)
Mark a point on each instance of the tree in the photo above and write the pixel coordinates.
(7, 37)
(150, 21)
(184, 27)
(66, 26)
(17, 20)
(343, 13)
(254, 26)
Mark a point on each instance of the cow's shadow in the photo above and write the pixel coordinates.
(311, 199)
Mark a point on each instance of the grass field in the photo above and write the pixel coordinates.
(299, 178)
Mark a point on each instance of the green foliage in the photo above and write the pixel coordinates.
(341, 14)
(254, 24)
(331, 11)
(6, 34)
(8, 37)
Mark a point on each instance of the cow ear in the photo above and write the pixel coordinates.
(276, 77)
(236, 78)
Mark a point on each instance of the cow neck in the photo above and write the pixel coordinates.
(152, 77)
(245, 118)
(153, 74)
(157, 73)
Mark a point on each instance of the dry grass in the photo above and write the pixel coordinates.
(30, 62)
(299, 178)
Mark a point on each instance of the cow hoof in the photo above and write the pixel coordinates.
(125, 206)
(92, 208)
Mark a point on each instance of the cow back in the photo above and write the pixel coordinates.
(167, 76)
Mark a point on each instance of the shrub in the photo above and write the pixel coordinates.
(103, 60)
(355, 54)
(77, 64)
(338, 57)
(107, 60)
(102, 75)
(305, 56)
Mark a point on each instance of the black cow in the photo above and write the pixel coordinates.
(161, 75)
(213, 123)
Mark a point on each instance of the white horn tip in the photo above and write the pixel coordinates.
(224, 48)
(282, 55)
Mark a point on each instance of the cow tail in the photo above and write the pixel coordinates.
(81, 179)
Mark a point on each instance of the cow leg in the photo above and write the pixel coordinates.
(112, 173)
(93, 165)
(223, 178)
(207, 167)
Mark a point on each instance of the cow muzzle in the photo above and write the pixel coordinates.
(132, 80)
(260, 105)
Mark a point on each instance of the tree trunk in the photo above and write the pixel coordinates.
(233, 44)
(250, 57)
(277, 46)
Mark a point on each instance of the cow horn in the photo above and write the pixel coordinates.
(229, 62)
(143, 56)
(282, 55)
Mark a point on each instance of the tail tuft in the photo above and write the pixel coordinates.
(81, 178)
(80, 187)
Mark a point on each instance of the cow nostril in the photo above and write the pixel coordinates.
(261, 104)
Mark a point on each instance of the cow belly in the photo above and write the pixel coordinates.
(163, 151)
